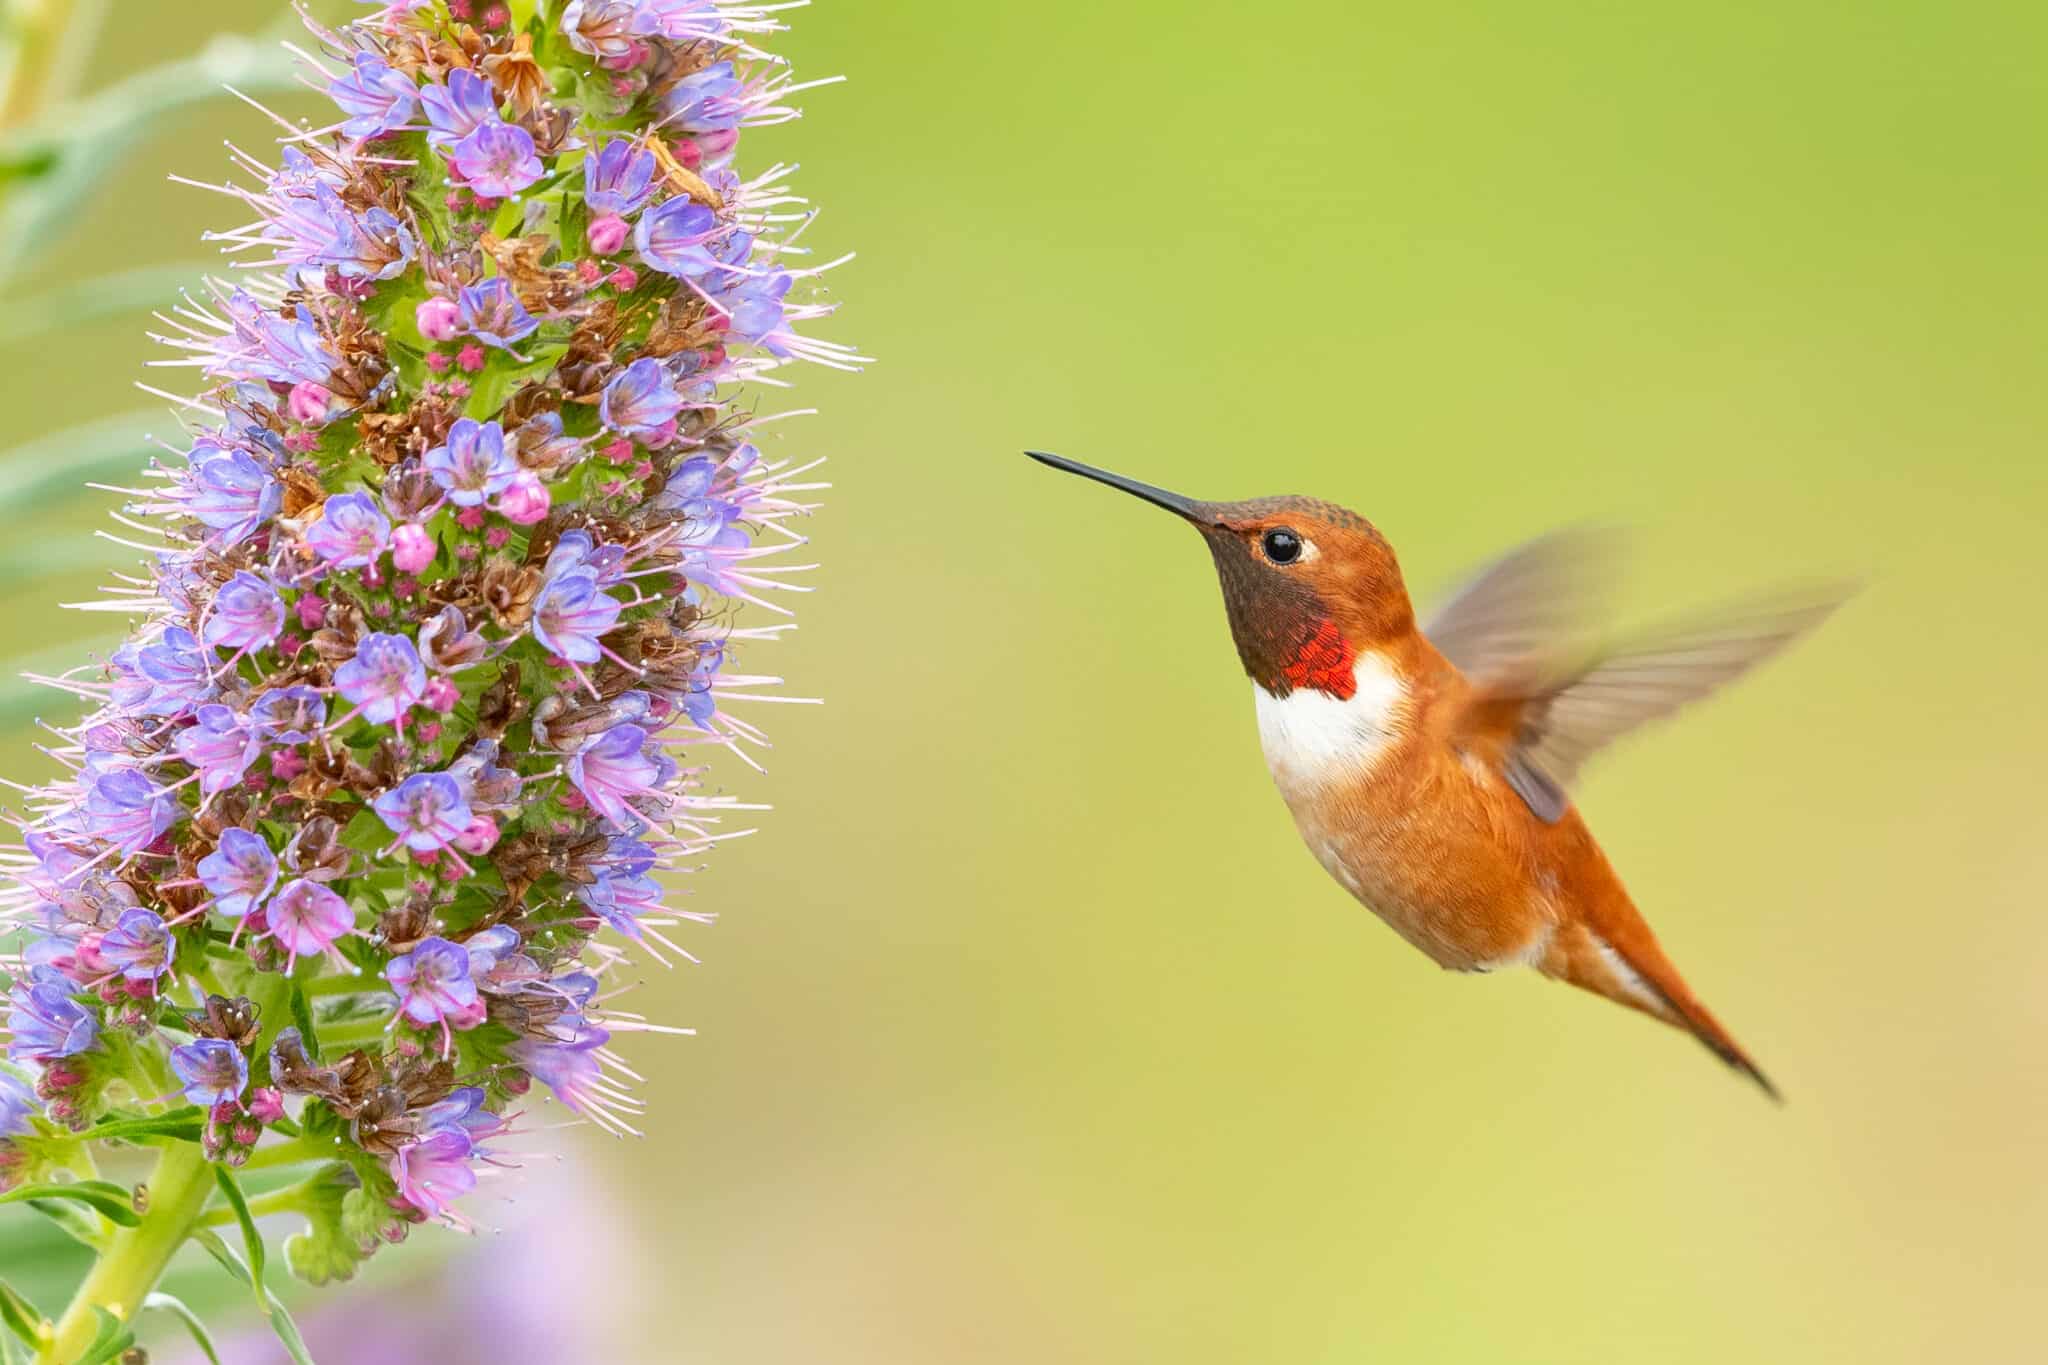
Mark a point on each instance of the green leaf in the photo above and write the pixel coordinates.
(280, 1321)
(113, 1338)
(185, 1124)
(21, 1317)
(109, 1200)
(101, 296)
(76, 1223)
(252, 1238)
(165, 1303)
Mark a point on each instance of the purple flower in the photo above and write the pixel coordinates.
(376, 98)
(571, 614)
(247, 613)
(434, 1172)
(616, 768)
(570, 1069)
(351, 533)
(680, 21)
(45, 1022)
(497, 160)
(305, 918)
(219, 747)
(18, 1108)
(317, 228)
(139, 946)
(621, 900)
(384, 680)
(426, 811)
(239, 873)
(618, 179)
(433, 982)
(128, 810)
(671, 238)
(474, 465)
(754, 310)
(288, 715)
(264, 346)
(213, 1070)
(459, 108)
(640, 399)
(229, 491)
(709, 101)
(177, 672)
(492, 313)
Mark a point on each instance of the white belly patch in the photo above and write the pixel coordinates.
(1312, 738)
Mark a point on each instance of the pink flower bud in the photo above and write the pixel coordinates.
(287, 764)
(661, 435)
(266, 1105)
(607, 234)
(437, 319)
(412, 549)
(479, 837)
(441, 695)
(470, 519)
(309, 402)
(526, 501)
(470, 357)
(438, 361)
(625, 279)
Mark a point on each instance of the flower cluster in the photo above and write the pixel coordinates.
(437, 615)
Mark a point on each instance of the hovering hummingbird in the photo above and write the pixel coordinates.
(1428, 768)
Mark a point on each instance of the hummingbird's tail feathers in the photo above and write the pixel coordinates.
(1639, 976)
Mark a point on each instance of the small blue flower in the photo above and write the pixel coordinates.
(178, 671)
(426, 811)
(128, 810)
(640, 399)
(139, 946)
(615, 768)
(384, 680)
(220, 747)
(239, 873)
(459, 108)
(571, 614)
(271, 348)
(18, 1108)
(316, 228)
(619, 179)
(433, 982)
(246, 614)
(680, 21)
(376, 98)
(671, 238)
(230, 492)
(491, 312)
(707, 101)
(213, 1071)
(288, 715)
(497, 160)
(351, 533)
(474, 465)
(44, 1022)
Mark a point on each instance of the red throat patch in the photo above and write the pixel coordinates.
(1325, 663)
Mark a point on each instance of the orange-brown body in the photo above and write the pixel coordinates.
(1428, 768)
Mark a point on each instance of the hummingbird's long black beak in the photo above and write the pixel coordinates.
(1173, 502)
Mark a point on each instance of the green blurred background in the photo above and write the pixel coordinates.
(1029, 1031)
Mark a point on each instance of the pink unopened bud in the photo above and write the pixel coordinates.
(625, 279)
(438, 361)
(470, 518)
(308, 401)
(525, 501)
(497, 16)
(312, 609)
(437, 319)
(470, 357)
(607, 234)
(689, 153)
(287, 764)
(661, 435)
(266, 1105)
(618, 451)
(481, 834)
(441, 695)
(412, 549)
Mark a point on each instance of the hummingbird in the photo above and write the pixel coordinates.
(1429, 767)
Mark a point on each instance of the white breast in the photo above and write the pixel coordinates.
(1312, 738)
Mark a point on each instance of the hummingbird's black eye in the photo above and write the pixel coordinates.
(1282, 545)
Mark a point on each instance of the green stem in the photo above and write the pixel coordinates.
(131, 1265)
(277, 1201)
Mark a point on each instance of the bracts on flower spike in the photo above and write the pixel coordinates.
(373, 807)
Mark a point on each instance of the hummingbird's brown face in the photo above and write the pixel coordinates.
(1308, 585)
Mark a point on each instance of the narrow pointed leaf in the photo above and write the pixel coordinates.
(20, 1317)
(165, 1303)
(252, 1237)
(113, 1338)
(109, 1200)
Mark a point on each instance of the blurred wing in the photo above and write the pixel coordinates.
(1553, 731)
(1527, 609)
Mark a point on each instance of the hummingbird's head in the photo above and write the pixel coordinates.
(1308, 585)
